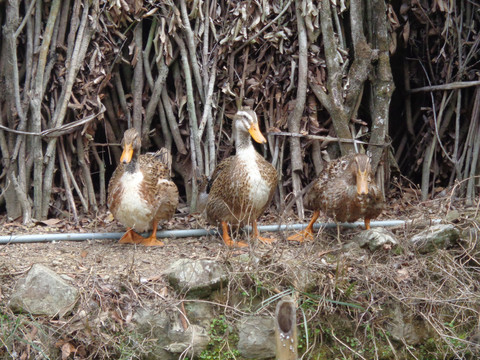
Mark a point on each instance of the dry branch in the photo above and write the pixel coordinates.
(94, 59)
(296, 116)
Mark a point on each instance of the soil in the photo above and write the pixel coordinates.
(106, 259)
(111, 261)
(121, 277)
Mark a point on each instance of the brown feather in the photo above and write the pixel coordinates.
(237, 180)
(335, 191)
(155, 194)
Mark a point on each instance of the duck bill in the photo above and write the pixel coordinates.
(256, 134)
(127, 154)
(362, 182)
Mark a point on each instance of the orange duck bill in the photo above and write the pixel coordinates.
(256, 134)
(127, 154)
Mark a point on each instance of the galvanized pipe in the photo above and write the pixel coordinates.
(13, 239)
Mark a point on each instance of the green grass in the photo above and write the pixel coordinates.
(222, 341)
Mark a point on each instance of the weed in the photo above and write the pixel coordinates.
(221, 339)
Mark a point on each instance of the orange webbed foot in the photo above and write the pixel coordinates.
(266, 240)
(130, 237)
(305, 235)
(256, 234)
(234, 244)
(151, 241)
(228, 240)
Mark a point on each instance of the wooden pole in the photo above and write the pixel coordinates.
(286, 329)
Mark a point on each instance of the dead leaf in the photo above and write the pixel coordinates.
(403, 275)
(406, 33)
(48, 222)
(67, 349)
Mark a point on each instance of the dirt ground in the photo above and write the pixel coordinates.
(112, 261)
(122, 277)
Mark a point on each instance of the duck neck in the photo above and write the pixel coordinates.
(242, 141)
(132, 165)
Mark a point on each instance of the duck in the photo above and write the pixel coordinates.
(242, 186)
(141, 192)
(346, 192)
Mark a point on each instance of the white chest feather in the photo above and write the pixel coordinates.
(133, 210)
(259, 191)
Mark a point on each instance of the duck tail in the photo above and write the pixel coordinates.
(165, 157)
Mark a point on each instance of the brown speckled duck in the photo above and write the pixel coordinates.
(140, 192)
(346, 192)
(242, 185)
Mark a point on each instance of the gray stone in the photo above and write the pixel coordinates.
(375, 239)
(199, 313)
(256, 337)
(197, 278)
(194, 337)
(406, 328)
(154, 326)
(452, 216)
(43, 292)
(168, 335)
(436, 237)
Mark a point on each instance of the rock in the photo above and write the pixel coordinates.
(170, 337)
(436, 237)
(375, 239)
(199, 313)
(453, 216)
(256, 337)
(195, 337)
(198, 278)
(406, 328)
(154, 326)
(43, 292)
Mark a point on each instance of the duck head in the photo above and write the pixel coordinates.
(131, 144)
(361, 167)
(246, 121)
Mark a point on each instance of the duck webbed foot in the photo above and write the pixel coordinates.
(228, 240)
(261, 238)
(130, 237)
(307, 233)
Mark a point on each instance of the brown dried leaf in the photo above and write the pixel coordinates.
(67, 350)
(49, 222)
(403, 275)
(392, 18)
(406, 33)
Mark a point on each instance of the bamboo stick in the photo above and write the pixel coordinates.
(138, 75)
(102, 196)
(154, 99)
(172, 122)
(38, 190)
(68, 168)
(196, 151)
(191, 49)
(450, 86)
(286, 337)
(296, 116)
(382, 85)
(78, 55)
(167, 136)
(68, 190)
(87, 177)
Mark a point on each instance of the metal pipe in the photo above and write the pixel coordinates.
(13, 239)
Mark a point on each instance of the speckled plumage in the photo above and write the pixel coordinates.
(140, 192)
(242, 186)
(335, 191)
